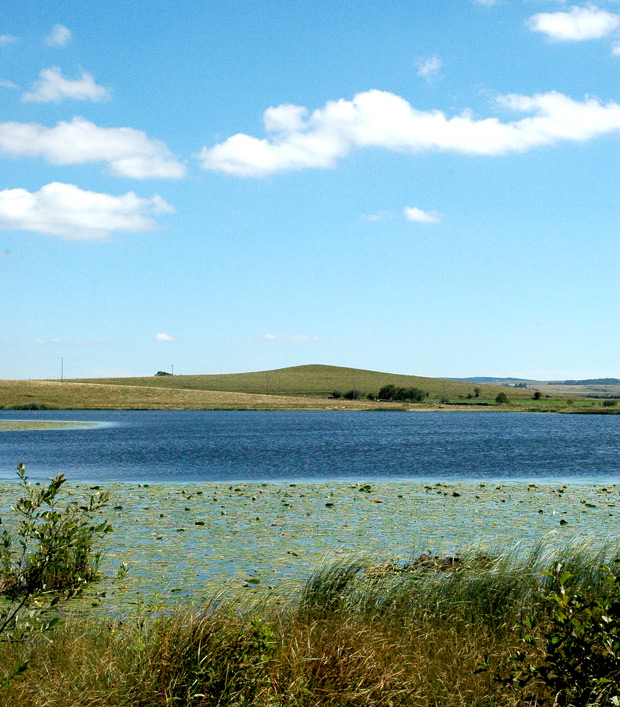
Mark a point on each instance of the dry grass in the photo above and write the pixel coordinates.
(213, 659)
(98, 396)
(353, 639)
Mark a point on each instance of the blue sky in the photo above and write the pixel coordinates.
(420, 187)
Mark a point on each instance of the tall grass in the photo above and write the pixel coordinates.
(362, 634)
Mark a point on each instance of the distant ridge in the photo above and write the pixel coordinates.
(588, 381)
(490, 380)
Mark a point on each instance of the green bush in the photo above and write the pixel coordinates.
(501, 399)
(49, 555)
(580, 647)
(50, 551)
(392, 393)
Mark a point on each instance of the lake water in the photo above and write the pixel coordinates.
(198, 446)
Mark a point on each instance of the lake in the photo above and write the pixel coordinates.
(203, 502)
(199, 446)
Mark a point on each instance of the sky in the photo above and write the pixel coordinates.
(423, 187)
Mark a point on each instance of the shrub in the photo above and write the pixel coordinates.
(336, 395)
(51, 559)
(537, 395)
(580, 647)
(54, 551)
(352, 395)
(392, 393)
(609, 403)
(501, 399)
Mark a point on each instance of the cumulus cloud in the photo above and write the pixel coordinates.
(74, 214)
(413, 213)
(128, 152)
(429, 68)
(380, 119)
(576, 25)
(6, 39)
(8, 84)
(59, 36)
(52, 87)
(164, 337)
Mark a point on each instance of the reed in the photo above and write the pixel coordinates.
(360, 634)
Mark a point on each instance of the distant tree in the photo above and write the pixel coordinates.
(537, 395)
(352, 395)
(407, 395)
(501, 398)
(336, 395)
(387, 392)
(476, 392)
(163, 373)
(371, 396)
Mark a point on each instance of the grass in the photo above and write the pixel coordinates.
(313, 380)
(361, 634)
(298, 387)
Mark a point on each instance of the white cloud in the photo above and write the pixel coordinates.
(413, 213)
(74, 214)
(8, 84)
(164, 337)
(6, 39)
(578, 24)
(615, 50)
(294, 338)
(59, 36)
(53, 87)
(380, 119)
(429, 68)
(128, 152)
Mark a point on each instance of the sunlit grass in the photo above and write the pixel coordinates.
(361, 633)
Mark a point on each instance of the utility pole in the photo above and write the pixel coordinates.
(267, 382)
(172, 376)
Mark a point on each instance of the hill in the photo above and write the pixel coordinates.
(312, 380)
(307, 387)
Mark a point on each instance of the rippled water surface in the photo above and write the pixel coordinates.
(172, 446)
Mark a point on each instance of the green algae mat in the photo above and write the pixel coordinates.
(201, 540)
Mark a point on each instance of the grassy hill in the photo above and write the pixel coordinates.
(316, 381)
(298, 387)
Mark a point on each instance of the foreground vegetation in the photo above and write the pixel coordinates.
(537, 626)
(469, 630)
